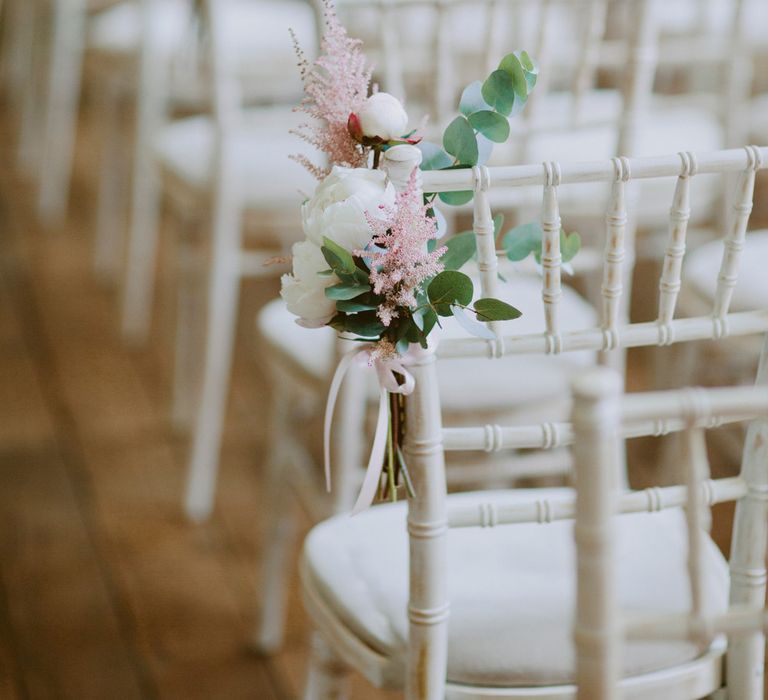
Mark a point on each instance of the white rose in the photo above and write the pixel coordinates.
(337, 209)
(382, 115)
(304, 290)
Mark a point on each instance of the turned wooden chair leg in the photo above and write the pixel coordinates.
(61, 108)
(190, 310)
(326, 675)
(221, 318)
(108, 241)
(280, 532)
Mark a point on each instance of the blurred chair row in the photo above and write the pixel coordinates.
(225, 169)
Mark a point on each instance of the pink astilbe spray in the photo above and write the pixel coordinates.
(335, 85)
(400, 262)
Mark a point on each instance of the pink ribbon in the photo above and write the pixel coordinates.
(388, 384)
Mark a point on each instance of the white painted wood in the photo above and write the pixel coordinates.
(61, 108)
(746, 654)
(597, 634)
(601, 418)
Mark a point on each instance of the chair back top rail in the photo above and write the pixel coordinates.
(724, 161)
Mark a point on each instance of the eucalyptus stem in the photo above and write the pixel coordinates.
(391, 456)
(376, 157)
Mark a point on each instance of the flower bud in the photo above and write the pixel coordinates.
(382, 116)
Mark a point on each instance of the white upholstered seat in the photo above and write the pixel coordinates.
(511, 589)
(751, 291)
(537, 378)
(269, 178)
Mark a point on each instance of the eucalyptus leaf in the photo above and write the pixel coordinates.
(460, 141)
(511, 65)
(484, 149)
(522, 240)
(471, 325)
(433, 157)
(472, 99)
(343, 291)
(340, 259)
(355, 305)
(570, 245)
(495, 310)
(448, 288)
(492, 125)
(456, 198)
(460, 249)
(499, 92)
(365, 324)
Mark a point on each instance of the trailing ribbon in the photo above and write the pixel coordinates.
(388, 384)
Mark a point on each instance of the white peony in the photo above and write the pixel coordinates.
(382, 115)
(304, 290)
(337, 209)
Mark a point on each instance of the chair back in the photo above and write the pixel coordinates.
(601, 417)
(427, 51)
(427, 440)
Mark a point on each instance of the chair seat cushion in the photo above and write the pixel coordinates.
(751, 292)
(268, 177)
(511, 588)
(496, 385)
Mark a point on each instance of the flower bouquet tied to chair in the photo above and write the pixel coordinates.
(373, 265)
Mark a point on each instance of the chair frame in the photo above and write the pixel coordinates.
(430, 513)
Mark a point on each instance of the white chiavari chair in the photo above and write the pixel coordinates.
(605, 630)
(300, 361)
(471, 613)
(229, 169)
(55, 37)
(170, 83)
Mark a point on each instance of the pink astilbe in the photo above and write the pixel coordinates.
(400, 262)
(335, 85)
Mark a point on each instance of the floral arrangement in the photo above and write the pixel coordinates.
(371, 266)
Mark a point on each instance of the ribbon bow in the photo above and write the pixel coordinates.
(388, 384)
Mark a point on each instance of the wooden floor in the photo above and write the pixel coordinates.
(105, 590)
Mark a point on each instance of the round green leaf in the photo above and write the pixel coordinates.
(449, 287)
(472, 99)
(433, 157)
(499, 92)
(456, 198)
(492, 125)
(495, 310)
(522, 240)
(459, 249)
(460, 141)
(511, 65)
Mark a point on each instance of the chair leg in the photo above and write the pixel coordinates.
(61, 107)
(280, 534)
(138, 291)
(26, 76)
(326, 675)
(221, 316)
(189, 338)
(109, 211)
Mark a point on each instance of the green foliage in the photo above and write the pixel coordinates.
(499, 91)
(472, 99)
(340, 259)
(460, 249)
(456, 198)
(460, 141)
(495, 310)
(433, 157)
(447, 288)
(525, 239)
(492, 125)
(344, 291)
